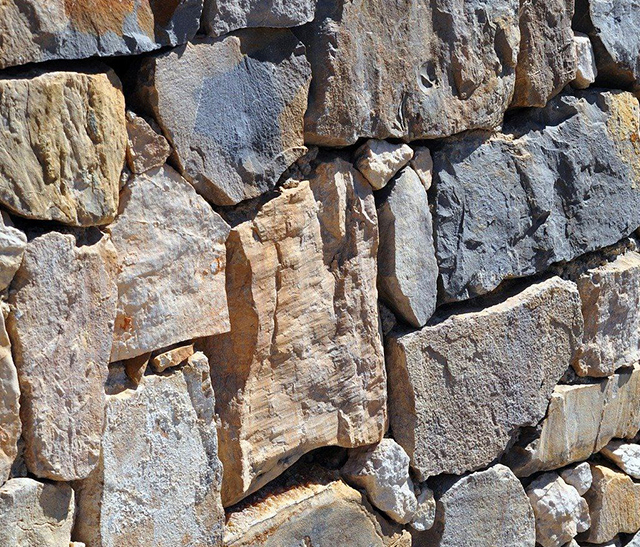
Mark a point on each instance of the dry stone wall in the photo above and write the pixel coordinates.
(308, 273)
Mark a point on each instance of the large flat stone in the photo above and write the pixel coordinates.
(580, 421)
(409, 69)
(460, 389)
(303, 364)
(10, 425)
(558, 182)
(34, 31)
(63, 306)
(232, 108)
(171, 281)
(158, 481)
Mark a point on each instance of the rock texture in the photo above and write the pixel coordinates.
(172, 358)
(12, 245)
(63, 307)
(407, 266)
(34, 514)
(146, 149)
(586, 70)
(485, 508)
(422, 164)
(580, 421)
(480, 375)
(301, 281)
(379, 161)
(551, 204)
(35, 31)
(439, 69)
(579, 476)
(10, 425)
(160, 486)
(62, 145)
(625, 455)
(232, 109)
(171, 282)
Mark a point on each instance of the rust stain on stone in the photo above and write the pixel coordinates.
(163, 10)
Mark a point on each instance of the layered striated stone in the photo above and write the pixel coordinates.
(437, 70)
(171, 283)
(625, 455)
(561, 514)
(480, 375)
(146, 149)
(586, 70)
(485, 508)
(36, 514)
(62, 145)
(35, 31)
(379, 161)
(558, 182)
(580, 421)
(303, 364)
(610, 306)
(233, 109)
(614, 499)
(12, 245)
(407, 266)
(63, 301)
(10, 425)
(314, 508)
(547, 60)
(222, 16)
(158, 481)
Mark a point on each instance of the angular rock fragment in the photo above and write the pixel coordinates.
(485, 508)
(12, 245)
(146, 149)
(62, 145)
(171, 252)
(611, 309)
(161, 485)
(407, 266)
(303, 364)
(635, 541)
(613, 501)
(625, 455)
(379, 161)
(34, 31)
(561, 514)
(580, 421)
(437, 70)
(579, 476)
(10, 425)
(461, 388)
(222, 16)
(559, 182)
(63, 301)
(425, 514)
(586, 71)
(233, 110)
(136, 367)
(547, 59)
(36, 514)
(422, 164)
(171, 358)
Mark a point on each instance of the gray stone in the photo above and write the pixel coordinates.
(425, 514)
(63, 302)
(547, 59)
(222, 16)
(10, 425)
(159, 478)
(147, 149)
(587, 71)
(12, 245)
(579, 476)
(172, 258)
(480, 375)
(422, 164)
(408, 69)
(379, 161)
(232, 108)
(635, 541)
(407, 266)
(559, 182)
(625, 455)
(33, 514)
(34, 31)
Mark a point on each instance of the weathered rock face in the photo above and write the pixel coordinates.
(579, 476)
(613, 503)
(35, 31)
(485, 508)
(422, 164)
(233, 109)
(222, 16)
(610, 305)
(379, 161)
(551, 203)
(586, 70)
(146, 148)
(560, 512)
(172, 358)
(581, 420)
(301, 282)
(171, 281)
(625, 455)
(480, 375)
(407, 266)
(36, 514)
(63, 302)
(10, 425)
(12, 245)
(547, 59)
(63, 146)
(160, 486)
(437, 70)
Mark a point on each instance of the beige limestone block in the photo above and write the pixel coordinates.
(379, 161)
(303, 364)
(62, 145)
(587, 71)
(10, 425)
(63, 301)
(171, 358)
(12, 245)
(146, 148)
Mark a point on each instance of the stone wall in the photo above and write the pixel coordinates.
(310, 273)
